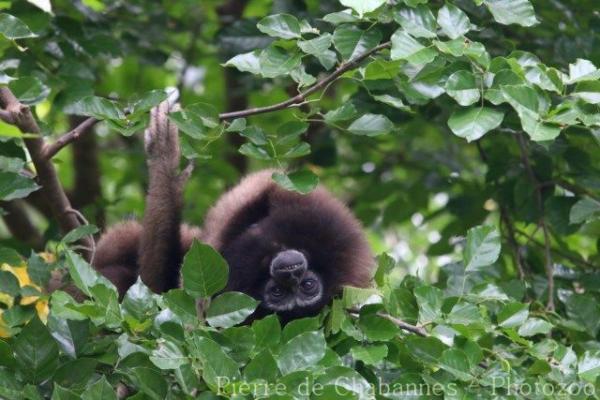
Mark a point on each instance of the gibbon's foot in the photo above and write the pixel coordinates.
(161, 139)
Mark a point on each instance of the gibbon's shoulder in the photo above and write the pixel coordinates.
(257, 196)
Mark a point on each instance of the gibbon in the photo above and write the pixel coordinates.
(291, 252)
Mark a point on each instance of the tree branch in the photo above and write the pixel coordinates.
(53, 191)
(50, 150)
(313, 89)
(512, 241)
(6, 117)
(548, 266)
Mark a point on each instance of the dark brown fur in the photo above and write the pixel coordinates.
(249, 226)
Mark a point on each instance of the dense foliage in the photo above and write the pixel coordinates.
(465, 135)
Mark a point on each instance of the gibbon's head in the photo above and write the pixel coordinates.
(291, 252)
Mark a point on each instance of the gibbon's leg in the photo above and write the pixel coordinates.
(117, 253)
(160, 250)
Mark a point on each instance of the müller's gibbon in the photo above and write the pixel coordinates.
(291, 252)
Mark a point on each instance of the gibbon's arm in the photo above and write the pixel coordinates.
(160, 243)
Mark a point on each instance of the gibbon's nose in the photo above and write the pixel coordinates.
(288, 267)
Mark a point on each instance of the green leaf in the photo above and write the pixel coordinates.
(84, 276)
(283, 26)
(237, 125)
(377, 328)
(508, 12)
(15, 186)
(255, 134)
(370, 355)
(9, 284)
(247, 62)
(302, 352)
(513, 315)
(588, 91)
(218, 366)
(97, 107)
(392, 101)
(588, 367)
(75, 373)
(167, 355)
(482, 248)
(343, 113)
(583, 70)
(584, 210)
(453, 21)
(319, 47)
(363, 6)
(371, 125)
(300, 150)
(267, 331)
(101, 390)
(275, 61)
(29, 90)
(13, 28)
(182, 304)
(405, 47)
(473, 123)
(429, 299)
(462, 87)
(425, 349)
(38, 270)
(204, 271)
(353, 42)
(303, 181)
(229, 309)
(418, 21)
(583, 309)
(341, 17)
(147, 100)
(251, 150)
(535, 326)
(79, 233)
(456, 362)
(35, 351)
(139, 301)
(262, 366)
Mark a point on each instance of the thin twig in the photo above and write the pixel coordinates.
(405, 326)
(50, 150)
(548, 266)
(299, 98)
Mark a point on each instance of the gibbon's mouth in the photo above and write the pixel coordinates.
(288, 267)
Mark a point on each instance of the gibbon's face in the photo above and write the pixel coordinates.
(284, 262)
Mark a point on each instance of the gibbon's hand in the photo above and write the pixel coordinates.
(161, 139)
(161, 142)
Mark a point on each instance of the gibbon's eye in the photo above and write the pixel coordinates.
(276, 291)
(308, 285)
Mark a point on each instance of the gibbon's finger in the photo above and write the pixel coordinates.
(163, 110)
(186, 173)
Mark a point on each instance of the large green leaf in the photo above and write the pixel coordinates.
(230, 309)
(283, 26)
(13, 28)
(482, 248)
(36, 352)
(371, 125)
(512, 12)
(15, 186)
(462, 87)
(302, 352)
(405, 47)
(472, 123)
(453, 21)
(363, 6)
(418, 21)
(353, 42)
(303, 181)
(204, 271)
(275, 61)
